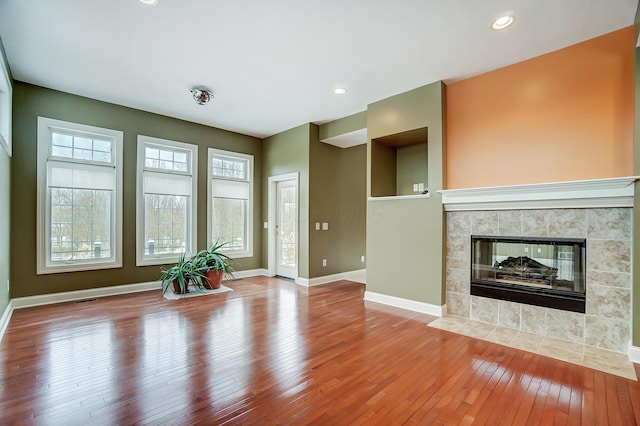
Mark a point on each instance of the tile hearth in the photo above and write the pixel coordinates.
(575, 353)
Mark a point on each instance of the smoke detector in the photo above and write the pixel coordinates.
(201, 95)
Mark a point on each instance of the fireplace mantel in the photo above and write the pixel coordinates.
(614, 192)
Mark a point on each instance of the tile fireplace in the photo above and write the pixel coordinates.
(524, 238)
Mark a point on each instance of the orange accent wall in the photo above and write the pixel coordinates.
(566, 115)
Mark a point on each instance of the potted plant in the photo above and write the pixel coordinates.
(216, 264)
(181, 275)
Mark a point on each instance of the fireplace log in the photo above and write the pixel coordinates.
(526, 268)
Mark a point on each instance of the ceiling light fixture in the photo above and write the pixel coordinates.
(502, 22)
(201, 95)
(149, 2)
(340, 91)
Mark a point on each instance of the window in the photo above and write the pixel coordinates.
(79, 197)
(6, 91)
(230, 201)
(166, 201)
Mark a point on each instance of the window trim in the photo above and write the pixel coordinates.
(250, 175)
(141, 259)
(43, 214)
(6, 101)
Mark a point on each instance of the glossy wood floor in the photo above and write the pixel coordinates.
(274, 353)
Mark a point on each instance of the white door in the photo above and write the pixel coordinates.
(286, 228)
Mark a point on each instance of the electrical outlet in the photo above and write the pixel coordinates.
(317, 226)
(362, 259)
(324, 262)
(266, 225)
(325, 226)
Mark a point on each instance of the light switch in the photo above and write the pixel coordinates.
(266, 225)
(317, 226)
(325, 226)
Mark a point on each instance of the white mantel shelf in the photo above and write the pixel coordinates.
(614, 192)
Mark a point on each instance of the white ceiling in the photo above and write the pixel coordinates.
(273, 64)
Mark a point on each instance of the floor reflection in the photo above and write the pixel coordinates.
(530, 384)
(78, 371)
(164, 357)
(229, 350)
(288, 349)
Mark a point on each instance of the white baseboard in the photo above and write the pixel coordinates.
(69, 296)
(411, 305)
(250, 273)
(4, 320)
(634, 354)
(359, 276)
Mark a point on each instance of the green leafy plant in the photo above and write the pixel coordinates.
(183, 273)
(214, 259)
(215, 263)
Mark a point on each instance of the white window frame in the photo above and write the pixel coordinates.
(161, 259)
(43, 243)
(6, 96)
(249, 226)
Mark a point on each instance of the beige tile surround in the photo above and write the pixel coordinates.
(607, 321)
(575, 353)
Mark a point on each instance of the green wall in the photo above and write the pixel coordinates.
(411, 168)
(405, 237)
(5, 214)
(332, 189)
(5, 232)
(288, 152)
(337, 196)
(32, 101)
(383, 163)
(343, 125)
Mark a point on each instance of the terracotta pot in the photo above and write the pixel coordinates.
(177, 289)
(214, 278)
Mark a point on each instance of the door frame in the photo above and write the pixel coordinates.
(271, 218)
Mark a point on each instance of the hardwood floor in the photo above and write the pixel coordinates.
(273, 353)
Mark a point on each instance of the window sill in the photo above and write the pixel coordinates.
(158, 261)
(77, 267)
(238, 255)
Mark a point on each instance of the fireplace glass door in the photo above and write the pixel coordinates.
(538, 266)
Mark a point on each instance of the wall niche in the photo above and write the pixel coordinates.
(399, 164)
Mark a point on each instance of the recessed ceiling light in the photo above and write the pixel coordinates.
(502, 22)
(340, 91)
(150, 2)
